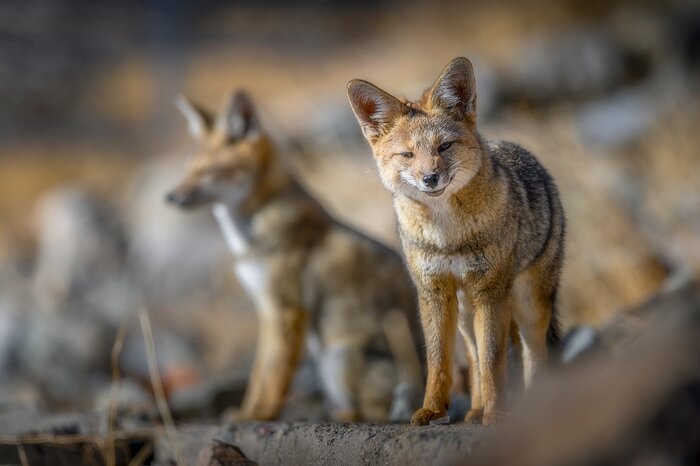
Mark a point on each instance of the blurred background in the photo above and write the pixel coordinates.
(605, 93)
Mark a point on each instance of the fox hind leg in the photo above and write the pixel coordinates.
(466, 330)
(535, 318)
(254, 389)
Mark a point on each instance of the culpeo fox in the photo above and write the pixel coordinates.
(481, 227)
(302, 269)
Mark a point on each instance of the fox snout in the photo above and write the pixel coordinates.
(431, 180)
(432, 183)
(430, 173)
(189, 197)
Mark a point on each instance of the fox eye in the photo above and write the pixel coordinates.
(406, 155)
(444, 146)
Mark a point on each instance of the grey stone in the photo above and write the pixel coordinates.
(618, 119)
(578, 64)
(129, 397)
(578, 342)
(81, 243)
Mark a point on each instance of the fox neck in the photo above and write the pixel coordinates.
(235, 216)
(480, 190)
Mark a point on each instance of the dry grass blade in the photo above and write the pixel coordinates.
(141, 456)
(116, 380)
(157, 383)
(22, 454)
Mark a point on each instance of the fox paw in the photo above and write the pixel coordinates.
(473, 417)
(239, 415)
(345, 415)
(494, 417)
(235, 414)
(423, 416)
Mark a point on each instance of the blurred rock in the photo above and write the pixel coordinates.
(81, 245)
(331, 122)
(579, 64)
(129, 397)
(209, 398)
(65, 356)
(18, 393)
(488, 86)
(578, 342)
(684, 29)
(178, 360)
(618, 119)
(9, 327)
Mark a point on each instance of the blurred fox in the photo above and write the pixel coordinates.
(311, 278)
(482, 229)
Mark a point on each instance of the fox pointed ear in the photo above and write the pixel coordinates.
(455, 89)
(237, 117)
(199, 121)
(375, 109)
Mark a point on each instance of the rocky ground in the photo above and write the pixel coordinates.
(629, 395)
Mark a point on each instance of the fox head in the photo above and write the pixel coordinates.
(425, 148)
(232, 152)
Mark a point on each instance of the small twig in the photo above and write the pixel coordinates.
(157, 383)
(22, 454)
(141, 456)
(116, 381)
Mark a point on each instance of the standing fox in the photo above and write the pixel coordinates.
(301, 268)
(480, 223)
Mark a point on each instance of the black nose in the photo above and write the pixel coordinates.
(173, 198)
(431, 180)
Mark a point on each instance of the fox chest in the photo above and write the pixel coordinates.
(438, 226)
(252, 275)
(235, 237)
(442, 246)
